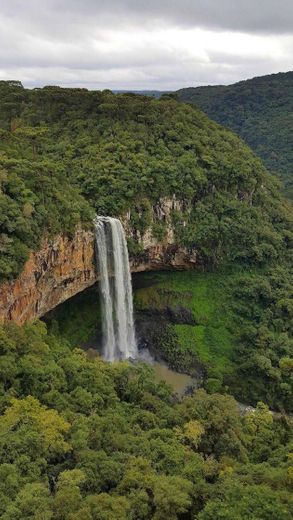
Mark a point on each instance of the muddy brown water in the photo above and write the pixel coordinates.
(178, 382)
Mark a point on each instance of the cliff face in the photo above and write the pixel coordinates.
(66, 266)
(163, 253)
(61, 268)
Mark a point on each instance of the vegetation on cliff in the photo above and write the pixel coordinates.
(84, 439)
(260, 110)
(67, 153)
(241, 333)
(234, 327)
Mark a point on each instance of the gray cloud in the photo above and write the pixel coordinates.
(141, 44)
(268, 16)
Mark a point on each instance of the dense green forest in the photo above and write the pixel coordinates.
(260, 110)
(83, 439)
(67, 153)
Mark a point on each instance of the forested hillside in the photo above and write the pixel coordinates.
(84, 439)
(260, 110)
(67, 153)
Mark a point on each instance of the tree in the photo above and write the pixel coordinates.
(251, 502)
(68, 497)
(105, 507)
(171, 497)
(32, 503)
(28, 426)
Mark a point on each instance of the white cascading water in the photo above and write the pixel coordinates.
(116, 290)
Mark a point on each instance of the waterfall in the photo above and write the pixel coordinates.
(115, 289)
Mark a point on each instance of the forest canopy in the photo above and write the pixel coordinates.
(260, 110)
(85, 439)
(68, 153)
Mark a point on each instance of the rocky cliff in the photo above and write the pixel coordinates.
(66, 266)
(60, 269)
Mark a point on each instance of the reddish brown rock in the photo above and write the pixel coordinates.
(65, 266)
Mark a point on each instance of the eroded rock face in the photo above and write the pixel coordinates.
(163, 256)
(61, 268)
(66, 266)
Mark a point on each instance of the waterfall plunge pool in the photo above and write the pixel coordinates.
(78, 320)
(180, 383)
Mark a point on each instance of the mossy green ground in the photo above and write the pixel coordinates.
(207, 295)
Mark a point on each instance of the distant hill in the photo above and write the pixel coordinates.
(152, 93)
(260, 110)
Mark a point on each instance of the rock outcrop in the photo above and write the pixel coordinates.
(66, 266)
(61, 268)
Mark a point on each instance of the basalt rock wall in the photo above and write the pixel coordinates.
(66, 266)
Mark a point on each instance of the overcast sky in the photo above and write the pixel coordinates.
(143, 44)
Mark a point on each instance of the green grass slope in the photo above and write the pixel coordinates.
(205, 296)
